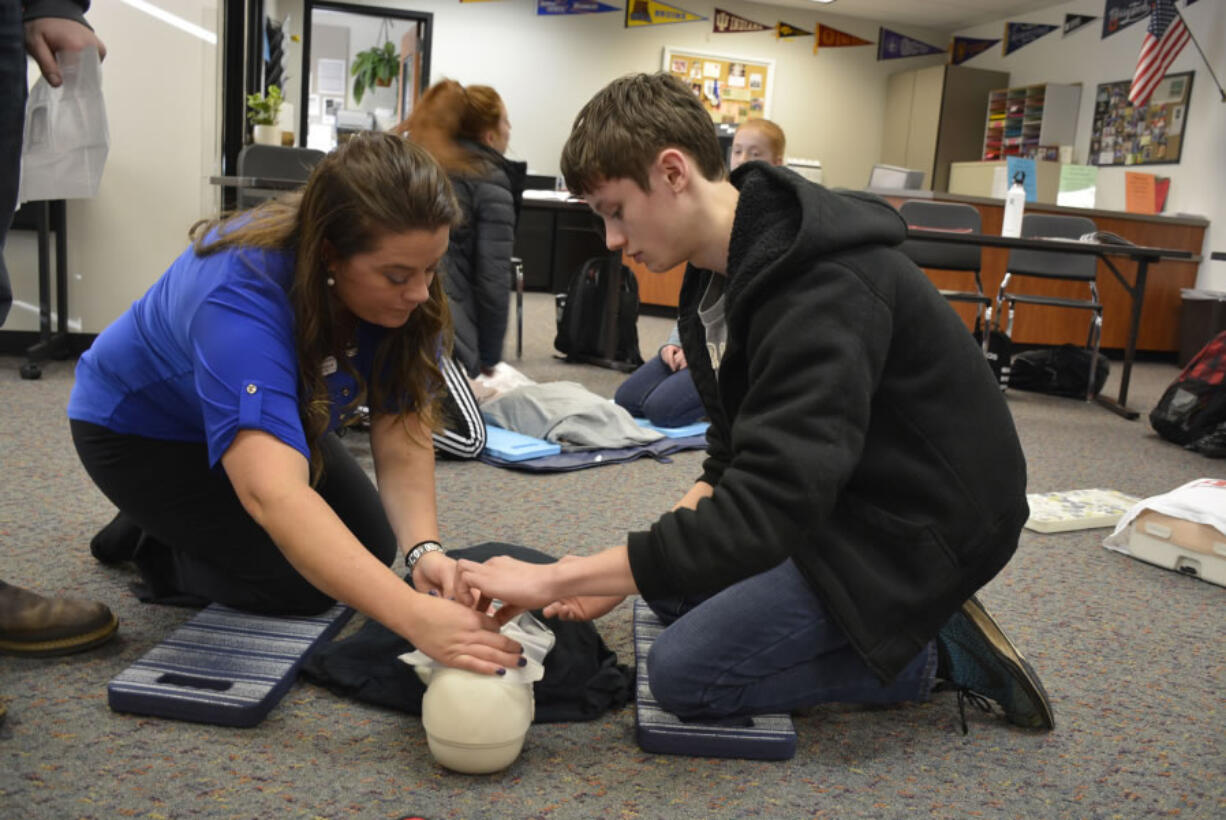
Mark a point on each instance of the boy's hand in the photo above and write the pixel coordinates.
(47, 35)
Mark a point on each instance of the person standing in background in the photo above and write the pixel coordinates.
(31, 624)
(467, 130)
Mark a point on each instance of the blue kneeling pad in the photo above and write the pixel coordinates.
(758, 737)
(224, 666)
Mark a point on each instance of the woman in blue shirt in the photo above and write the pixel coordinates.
(207, 412)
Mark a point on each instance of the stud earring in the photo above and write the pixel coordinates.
(331, 282)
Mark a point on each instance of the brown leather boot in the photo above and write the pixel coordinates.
(31, 624)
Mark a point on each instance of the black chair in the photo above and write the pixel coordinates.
(1054, 265)
(273, 162)
(517, 284)
(947, 216)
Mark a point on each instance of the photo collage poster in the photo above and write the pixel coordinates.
(732, 89)
(1149, 135)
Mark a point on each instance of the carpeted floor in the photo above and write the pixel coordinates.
(1132, 655)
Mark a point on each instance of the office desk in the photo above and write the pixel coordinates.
(1139, 254)
(554, 237)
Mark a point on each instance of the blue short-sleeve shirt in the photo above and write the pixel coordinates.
(207, 351)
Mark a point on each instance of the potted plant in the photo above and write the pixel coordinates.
(262, 110)
(376, 66)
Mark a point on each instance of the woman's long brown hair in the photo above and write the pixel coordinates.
(372, 186)
(449, 112)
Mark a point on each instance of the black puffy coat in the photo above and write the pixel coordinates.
(477, 269)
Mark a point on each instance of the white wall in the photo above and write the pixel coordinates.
(1197, 182)
(546, 68)
(161, 86)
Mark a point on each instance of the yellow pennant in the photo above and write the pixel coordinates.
(783, 29)
(652, 13)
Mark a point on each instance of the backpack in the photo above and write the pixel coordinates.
(581, 314)
(1060, 371)
(1192, 411)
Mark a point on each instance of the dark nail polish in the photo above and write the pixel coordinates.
(432, 592)
(502, 671)
(523, 661)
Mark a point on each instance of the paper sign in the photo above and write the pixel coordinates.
(1139, 193)
(1018, 165)
(1078, 186)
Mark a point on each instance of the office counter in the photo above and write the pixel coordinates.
(1159, 330)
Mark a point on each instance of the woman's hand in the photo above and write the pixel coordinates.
(458, 636)
(435, 572)
(673, 356)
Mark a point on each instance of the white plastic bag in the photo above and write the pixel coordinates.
(1202, 501)
(66, 137)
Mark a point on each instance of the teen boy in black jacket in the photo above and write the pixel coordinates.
(863, 476)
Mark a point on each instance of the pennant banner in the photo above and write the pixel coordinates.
(728, 23)
(1023, 34)
(1072, 22)
(783, 29)
(891, 46)
(1120, 14)
(652, 13)
(554, 7)
(833, 38)
(964, 48)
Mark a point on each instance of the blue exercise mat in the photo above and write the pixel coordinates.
(509, 445)
(760, 737)
(224, 667)
(582, 459)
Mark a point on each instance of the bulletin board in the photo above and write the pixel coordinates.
(1153, 135)
(732, 89)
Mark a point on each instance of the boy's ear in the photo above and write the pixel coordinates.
(674, 167)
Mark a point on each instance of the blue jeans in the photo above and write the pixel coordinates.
(660, 395)
(12, 121)
(763, 645)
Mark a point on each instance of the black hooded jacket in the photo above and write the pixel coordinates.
(855, 426)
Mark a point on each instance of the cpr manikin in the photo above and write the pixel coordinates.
(476, 724)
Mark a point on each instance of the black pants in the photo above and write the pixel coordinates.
(192, 539)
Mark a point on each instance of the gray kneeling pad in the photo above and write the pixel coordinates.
(757, 737)
(224, 666)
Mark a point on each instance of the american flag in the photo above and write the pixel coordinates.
(1164, 39)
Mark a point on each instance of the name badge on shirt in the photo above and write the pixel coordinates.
(328, 366)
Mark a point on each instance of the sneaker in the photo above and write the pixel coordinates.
(31, 624)
(976, 658)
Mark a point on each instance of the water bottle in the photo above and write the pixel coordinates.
(1015, 204)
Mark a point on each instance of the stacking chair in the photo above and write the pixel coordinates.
(1054, 265)
(273, 162)
(947, 216)
(517, 284)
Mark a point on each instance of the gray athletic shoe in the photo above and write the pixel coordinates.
(976, 658)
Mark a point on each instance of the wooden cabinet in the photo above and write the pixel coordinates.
(1030, 121)
(934, 116)
(660, 289)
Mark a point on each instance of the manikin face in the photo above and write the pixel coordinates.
(385, 285)
(750, 144)
(641, 223)
(499, 137)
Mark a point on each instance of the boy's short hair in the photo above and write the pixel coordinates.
(621, 131)
(773, 133)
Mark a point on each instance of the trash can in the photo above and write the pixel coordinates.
(1202, 316)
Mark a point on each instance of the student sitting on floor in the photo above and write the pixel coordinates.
(207, 412)
(863, 476)
(662, 390)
